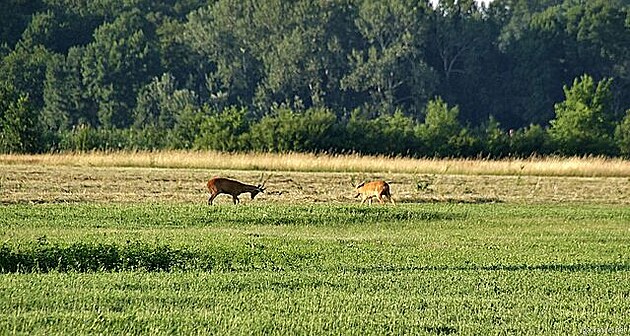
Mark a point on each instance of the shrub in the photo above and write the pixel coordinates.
(495, 141)
(583, 123)
(622, 135)
(85, 138)
(532, 140)
(441, 132)
(224, 131)
(20, 129)
(285, 130)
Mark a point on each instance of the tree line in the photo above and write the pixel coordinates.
(402, 77)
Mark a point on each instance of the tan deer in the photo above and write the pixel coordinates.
(372, 189)
(220, 185)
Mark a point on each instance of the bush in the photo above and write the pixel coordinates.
(583, 123)
(187, 129)
(20, 129)
(532, 140)
(285, 130)
(441, 133)
(86, 257)
(362, 134)
(622, 135)
(223, 131)
(87, 138)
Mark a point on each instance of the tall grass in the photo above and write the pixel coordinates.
(308, 162)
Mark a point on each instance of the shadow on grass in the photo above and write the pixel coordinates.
(441, 330)
(42, 256)
(335, 215)
(451, 200)
(578, 267)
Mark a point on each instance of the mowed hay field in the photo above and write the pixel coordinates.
(128, 245)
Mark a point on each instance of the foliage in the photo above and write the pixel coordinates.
(20, 131)
(390, 33)
(441, 128)
(159, 103)
(187, 128)
(286, 130)
(158, 69)
(622, 135)
(120, 60)
(532, 140)
(583, 121)
(85, 138)
(386, 134)
(495, 140)
(224, 131)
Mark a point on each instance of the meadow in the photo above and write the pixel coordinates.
(108, 248)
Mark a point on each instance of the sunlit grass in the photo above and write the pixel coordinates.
(33, 183)
(471, 269)
(110, 246)
(305, 162)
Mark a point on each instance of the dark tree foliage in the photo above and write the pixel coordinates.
(401, 77)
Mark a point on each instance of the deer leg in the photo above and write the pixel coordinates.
(235, 199)
(211, 198)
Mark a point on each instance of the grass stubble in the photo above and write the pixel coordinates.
(461, 253)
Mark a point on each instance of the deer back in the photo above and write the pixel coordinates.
(228, 186)
(372, 188)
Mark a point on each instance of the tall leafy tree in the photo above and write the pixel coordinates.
(66, 99)
(584, 122)
(160, 102)
(550, 42)
(20, 130)
(537, 66)
(389, 67)
(220, 34)
(179, 58)
(461, 47)
(25, 68)
(455, 33)
(121, 59)
(601, 29)
(15, 16)
(58, 30)
(297, 54)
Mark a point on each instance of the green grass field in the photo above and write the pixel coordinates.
(454, 257)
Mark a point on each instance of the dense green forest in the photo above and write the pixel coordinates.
(403, 77)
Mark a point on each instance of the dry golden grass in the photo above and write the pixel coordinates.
(300, 162)
(36, 183)
(180, 176)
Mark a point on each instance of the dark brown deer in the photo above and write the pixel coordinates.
(221, 185)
